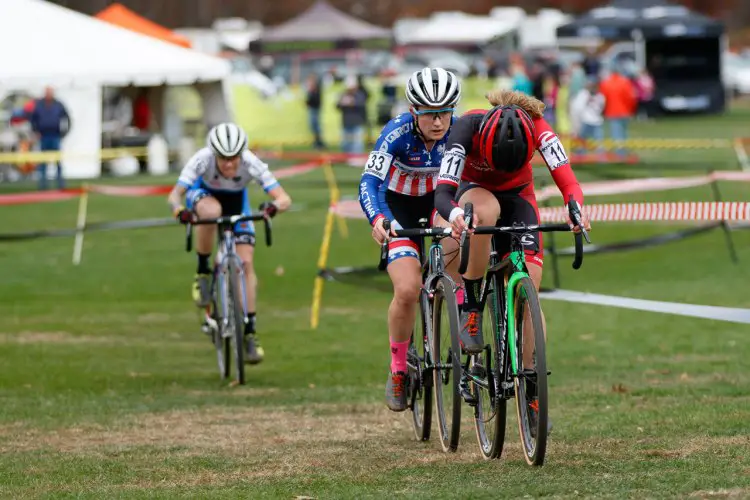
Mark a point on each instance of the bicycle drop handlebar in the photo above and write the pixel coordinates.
(573, 211)
(227, 220)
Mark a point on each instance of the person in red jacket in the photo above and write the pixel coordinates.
(620, 106)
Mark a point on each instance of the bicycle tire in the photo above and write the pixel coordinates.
(490, 418)
(533, 434)
(236, 312)
(449, 432)
(221, 341)
(222, 345)
(420, 387)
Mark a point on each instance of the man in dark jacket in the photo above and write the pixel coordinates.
(51, 122)
(313, 103)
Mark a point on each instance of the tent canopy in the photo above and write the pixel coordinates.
(78, 50)
(79, 55)
(461, 28)
(121, 16)
(322, 27)
(618, 20)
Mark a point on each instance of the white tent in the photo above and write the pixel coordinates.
(461, 28)
(78, 55)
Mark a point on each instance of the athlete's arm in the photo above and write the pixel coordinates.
(194, 168)
(452, 166)
(551, 149)
(376, 170)
(265, 179)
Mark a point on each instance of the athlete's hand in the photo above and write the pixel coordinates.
(585, 219)
(458, 226)
(184, 216)
(379, 234)
(269, 208)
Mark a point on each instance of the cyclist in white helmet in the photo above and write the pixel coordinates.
(398, 184)
(214, 182)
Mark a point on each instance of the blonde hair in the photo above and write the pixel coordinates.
(533, 106)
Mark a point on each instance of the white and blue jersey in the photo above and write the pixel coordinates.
(201, 178)
(400, 163)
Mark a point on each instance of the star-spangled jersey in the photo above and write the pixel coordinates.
(201, 171)
(401, 163)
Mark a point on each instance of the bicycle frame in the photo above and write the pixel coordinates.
(227, 248)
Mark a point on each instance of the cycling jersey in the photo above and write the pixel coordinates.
(202, 178)
(201, 171)
(462, 161)
(401, 163)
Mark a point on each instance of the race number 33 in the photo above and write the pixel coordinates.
(378, 164)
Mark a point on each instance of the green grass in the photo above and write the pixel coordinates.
(109, 390)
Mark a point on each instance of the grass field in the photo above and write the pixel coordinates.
(109, 390)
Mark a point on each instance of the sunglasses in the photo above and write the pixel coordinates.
(433, 113)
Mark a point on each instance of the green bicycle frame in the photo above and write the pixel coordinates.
(518, 261)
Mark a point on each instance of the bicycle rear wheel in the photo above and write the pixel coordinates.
(236, 320)
(490, 410)
(531, 381)
(420, 387)
(447, 356)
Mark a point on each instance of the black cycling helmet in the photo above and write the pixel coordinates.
(506, 138)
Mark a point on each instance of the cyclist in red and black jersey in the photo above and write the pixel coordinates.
(488, 162)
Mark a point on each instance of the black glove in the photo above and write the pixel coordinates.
(269, 208)
(184, 216)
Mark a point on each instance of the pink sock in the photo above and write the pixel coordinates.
(398, 356)
(460, 295)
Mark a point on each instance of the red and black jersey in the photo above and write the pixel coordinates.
(463, 161)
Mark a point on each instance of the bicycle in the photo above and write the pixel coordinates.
(225, 315)
(491, 378)
(428, 367)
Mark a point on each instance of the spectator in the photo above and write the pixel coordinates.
(550, 91)
(353, 117)
(51, 122)
(363, 88)
(591, 64)
(644, 86)
(521, 81)
(588, 109)
(619, 107)
(142, 111)
(387, 98)
(313, 103)
(577, 79)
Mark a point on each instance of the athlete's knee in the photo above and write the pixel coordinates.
(406, 289)
(208, 208)
(487, 214)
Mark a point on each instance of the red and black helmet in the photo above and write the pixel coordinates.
(506, 138)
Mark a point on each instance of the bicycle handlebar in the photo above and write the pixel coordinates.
(575, 215)
(227, 220)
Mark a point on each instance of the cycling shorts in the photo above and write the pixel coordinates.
(516, 205)
(232, 203)
(404, 212)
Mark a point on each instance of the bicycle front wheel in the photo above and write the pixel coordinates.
(236, 319)
(420, 386)
(490, 410)
(531, 378)
(447, 371)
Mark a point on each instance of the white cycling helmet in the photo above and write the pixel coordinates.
(434, 87)
(227, 140)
